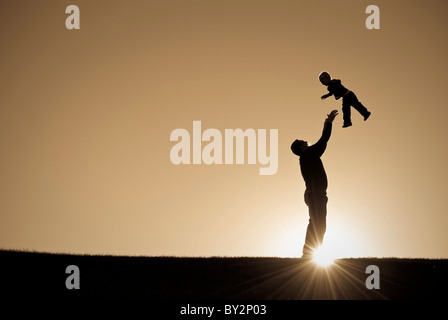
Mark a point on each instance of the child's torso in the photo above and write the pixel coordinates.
(337, 89)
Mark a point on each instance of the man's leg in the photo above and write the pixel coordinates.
(317, 206)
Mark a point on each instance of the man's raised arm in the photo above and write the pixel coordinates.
(331, 116)
(326, 133)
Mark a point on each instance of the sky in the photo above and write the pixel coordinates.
(86, 117)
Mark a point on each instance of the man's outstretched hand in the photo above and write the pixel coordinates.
(331, 116)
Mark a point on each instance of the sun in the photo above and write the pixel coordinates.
(341, 240)
(323, 256)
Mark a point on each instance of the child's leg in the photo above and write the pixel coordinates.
(358, 106)
(346, 112)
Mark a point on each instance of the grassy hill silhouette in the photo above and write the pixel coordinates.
(43, 275)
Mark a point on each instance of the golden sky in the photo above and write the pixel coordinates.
(86, 117)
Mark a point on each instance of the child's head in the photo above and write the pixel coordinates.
(324, 77)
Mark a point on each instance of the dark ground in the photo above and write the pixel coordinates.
(42, 275)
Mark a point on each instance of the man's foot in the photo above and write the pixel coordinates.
(346, 125)
(306, 256)
(367, 116)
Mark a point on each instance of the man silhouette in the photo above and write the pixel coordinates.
(316, 183)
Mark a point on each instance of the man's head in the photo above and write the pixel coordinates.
(298, 147)
(325, 78)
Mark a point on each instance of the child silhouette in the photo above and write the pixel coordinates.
(348, 98)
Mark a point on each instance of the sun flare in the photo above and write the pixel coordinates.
(323, 256)
(340, 241)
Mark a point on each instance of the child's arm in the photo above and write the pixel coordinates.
(325, 96)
